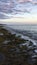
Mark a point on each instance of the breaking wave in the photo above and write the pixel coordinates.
(17, 47)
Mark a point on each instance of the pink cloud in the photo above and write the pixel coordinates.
(32, 1)
(24, 0)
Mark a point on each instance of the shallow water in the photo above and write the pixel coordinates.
(17, 47)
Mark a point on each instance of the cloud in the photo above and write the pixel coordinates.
(24, 0)
(32, 1)
(4, 15)
(9, 8)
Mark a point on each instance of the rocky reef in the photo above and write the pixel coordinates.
(16, 48)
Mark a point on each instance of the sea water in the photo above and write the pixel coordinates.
(28, 27)
(13, 48)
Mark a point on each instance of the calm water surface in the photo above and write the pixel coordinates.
(24, 27)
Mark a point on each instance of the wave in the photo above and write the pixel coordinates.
(17, 46)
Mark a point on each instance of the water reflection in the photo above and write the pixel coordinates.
(17, 49)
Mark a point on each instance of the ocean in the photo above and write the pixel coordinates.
(18, 43)
(28, 27)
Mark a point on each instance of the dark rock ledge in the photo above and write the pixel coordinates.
(16, 48)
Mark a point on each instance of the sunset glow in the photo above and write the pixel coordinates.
(25, 20)
(24, 11)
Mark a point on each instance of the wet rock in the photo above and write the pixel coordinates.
(2, 57)
(16, 49)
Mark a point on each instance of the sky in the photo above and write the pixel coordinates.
(24, 11)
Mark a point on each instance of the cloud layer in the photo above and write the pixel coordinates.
(9, 8)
